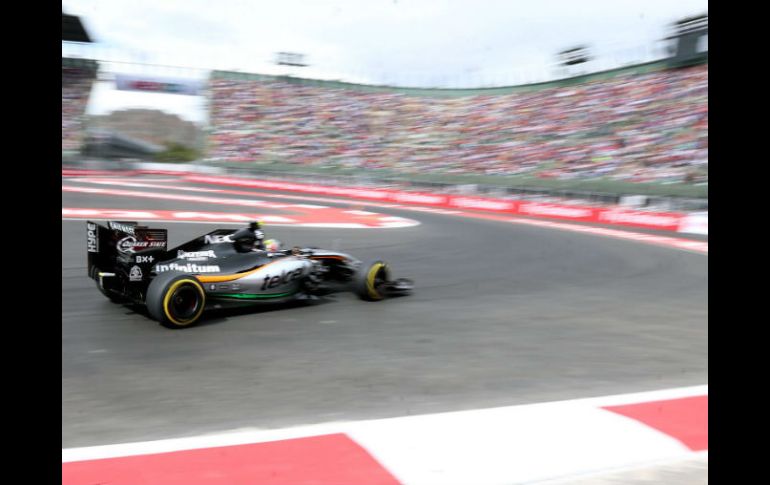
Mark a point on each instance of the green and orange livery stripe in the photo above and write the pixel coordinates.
(248, 296)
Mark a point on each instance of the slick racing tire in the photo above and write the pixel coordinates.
(176, 300)
(371, 280)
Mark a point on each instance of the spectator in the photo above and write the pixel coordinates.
(648, 127)
(76, 85)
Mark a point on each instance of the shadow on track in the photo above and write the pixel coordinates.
(215, 316)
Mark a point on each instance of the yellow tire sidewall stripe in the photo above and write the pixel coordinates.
(170, 292)
(373, 293)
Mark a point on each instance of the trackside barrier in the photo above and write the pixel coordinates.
(668, 221)
(182, 168)
(144, 168)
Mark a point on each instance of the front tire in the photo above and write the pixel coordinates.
(176, 300)
(371, 280)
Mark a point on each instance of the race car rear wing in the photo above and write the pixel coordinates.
(104, 244)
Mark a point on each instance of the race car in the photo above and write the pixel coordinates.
(131, 264)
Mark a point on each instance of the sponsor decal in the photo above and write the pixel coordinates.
(555, 211)
(92, 240)
(131, 82)
(130, 244)
(149, 244)
(472, 203)
(236, 286)
(367, 194)
(188, 268)
(135, 274)
(282, 279)
(638, 218)
(195, 255)
(696, 223)
(419, 198)
(116, 226)
(217, 239)
(145, 259)
(126, 245)
(223, 287)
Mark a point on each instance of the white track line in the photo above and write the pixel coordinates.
(688, 245)
(514, 444)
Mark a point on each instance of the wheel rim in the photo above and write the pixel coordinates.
(184, 302)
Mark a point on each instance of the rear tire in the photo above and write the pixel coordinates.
(370, 280)
(176, 300)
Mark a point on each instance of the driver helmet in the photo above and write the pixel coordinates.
(248, 239)
(245, 242)
(272, 245)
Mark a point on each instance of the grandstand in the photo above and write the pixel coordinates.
(77, 78)
(639, 129)
(643, 124)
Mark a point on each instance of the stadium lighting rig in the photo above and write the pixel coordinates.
(290, 59)
(691, 25)
(72, 29)
(688, 41)
(573, 56)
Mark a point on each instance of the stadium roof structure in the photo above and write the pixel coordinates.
(449, 92)
(72, 29)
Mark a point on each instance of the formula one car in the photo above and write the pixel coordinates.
(131, 264)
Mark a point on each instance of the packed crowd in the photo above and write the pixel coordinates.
(76, 85)
(633, 127)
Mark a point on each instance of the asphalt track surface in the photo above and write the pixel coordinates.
(503, 314)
